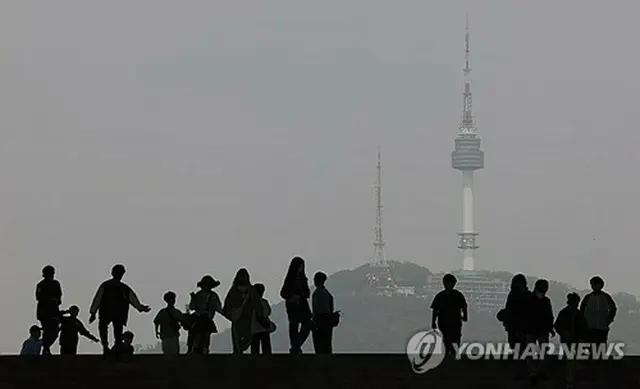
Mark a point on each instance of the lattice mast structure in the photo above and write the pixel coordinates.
(379, 245)
(467, 157)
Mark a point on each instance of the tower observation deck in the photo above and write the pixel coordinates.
(467, 157)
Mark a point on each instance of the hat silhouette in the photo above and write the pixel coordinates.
(208, 280)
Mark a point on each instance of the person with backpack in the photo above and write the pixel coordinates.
(599, 311)
(325, 317)
(261, 338)
(167, 324)
(204, 304)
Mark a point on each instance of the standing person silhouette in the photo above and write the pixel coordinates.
(539, 327)
(324, 316)
(295, 291)
(515, 313)
(599, 311)
(49, 298)
(111, 303)
(241, 305)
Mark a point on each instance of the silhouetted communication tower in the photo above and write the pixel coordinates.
(380, 252)
(467, 157)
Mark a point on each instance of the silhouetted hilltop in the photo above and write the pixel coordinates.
(374, 323)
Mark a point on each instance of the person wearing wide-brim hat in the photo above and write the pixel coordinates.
(204, 303)
(209, 282)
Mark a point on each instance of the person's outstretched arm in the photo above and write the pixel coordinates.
(82, 330)
(135, 302)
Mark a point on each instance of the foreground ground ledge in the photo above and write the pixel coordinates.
(308, 371)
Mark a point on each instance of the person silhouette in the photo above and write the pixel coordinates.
(599, 311)
(539, 326)
(261, 335)
(111, 303)
(449, 312)
(570, 325)
(295, 291)
(49, 298)
(240, 305)
(514, 314)
(167, 323)
(324, 315)
(33, 345)
(204, 303)
(70, 329)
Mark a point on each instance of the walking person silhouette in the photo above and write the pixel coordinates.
(70, 329)
(111, 304)
(449, 311)
(295, 291)
(49, 298)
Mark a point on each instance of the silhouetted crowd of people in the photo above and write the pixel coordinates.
(529, 320)
(244, 306)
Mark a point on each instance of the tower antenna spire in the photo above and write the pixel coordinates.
(378, 242)
(467, 126)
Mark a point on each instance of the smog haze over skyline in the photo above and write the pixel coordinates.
(193, 137)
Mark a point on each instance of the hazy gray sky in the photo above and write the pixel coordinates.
(191, 137)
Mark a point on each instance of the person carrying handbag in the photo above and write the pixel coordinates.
(240, 305)
(325, 319)
(205, 303)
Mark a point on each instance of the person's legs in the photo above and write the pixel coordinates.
(305, 331)
(190, 339)
(171, 346)
(316, 339)
(294, 326)
(103, 329)
(322, 340)
(329, 341)
(235, 338)
(68, 348)
(265, 342)
(118, 330)
(255, 344)
(198, 341)
(206, 342)
(543, 346)
(50, 328)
